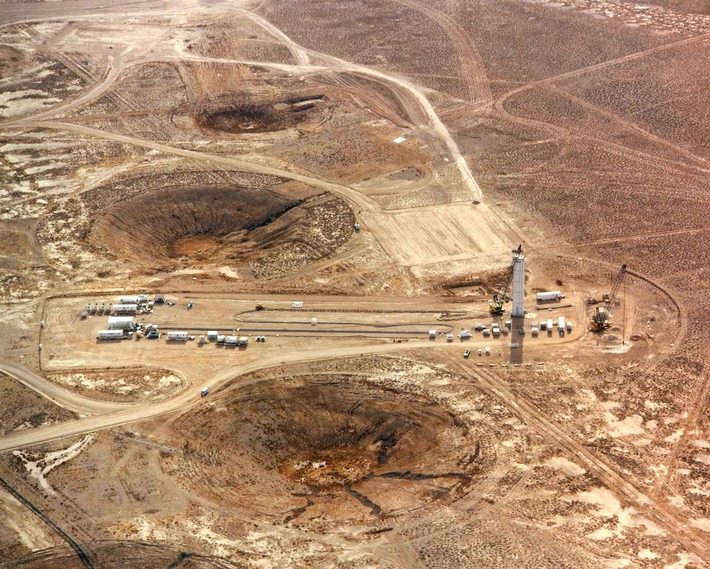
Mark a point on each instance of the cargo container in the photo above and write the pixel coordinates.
(221, 339)
(120, 323)
(534, 331)
(178, 336)
(551, 295)
(109, 335)
(212, 335)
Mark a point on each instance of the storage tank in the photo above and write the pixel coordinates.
(109, 335)
(177, 336)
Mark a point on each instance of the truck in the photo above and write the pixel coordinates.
(561, 325)
(109, 335)
(553, 295)
(569, 325)
(178, 336)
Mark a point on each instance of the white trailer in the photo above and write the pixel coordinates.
(125, 308)
(550, 295)
(212, 335)
(133, 299)
(109, 335)
(230, 340)
(178, 336)
(120, 323)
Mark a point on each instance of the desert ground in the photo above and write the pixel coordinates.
(318, 201)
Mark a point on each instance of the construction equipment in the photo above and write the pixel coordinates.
(601, 319)
(496, 305)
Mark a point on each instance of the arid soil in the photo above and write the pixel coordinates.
(345, 177)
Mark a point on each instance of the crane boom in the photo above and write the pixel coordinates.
(602, 315)
(496, 306)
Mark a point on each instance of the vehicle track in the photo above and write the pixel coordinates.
(694, 410)
(75, 545)
(470, 62)
(601, 468)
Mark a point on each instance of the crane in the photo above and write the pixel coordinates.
(602, 315)
(496, 305)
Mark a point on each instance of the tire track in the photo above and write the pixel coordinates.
(470, 62)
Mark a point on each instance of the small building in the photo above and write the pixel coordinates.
(243, 341)
(212, 335)
(125, 308)
(230, 340)
(109, 335)
(465, 334)
(120, 323)
(159, 299)
(178, 336)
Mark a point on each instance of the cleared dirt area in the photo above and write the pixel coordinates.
(317, 201)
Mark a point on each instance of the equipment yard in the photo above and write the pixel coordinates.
(354, 284)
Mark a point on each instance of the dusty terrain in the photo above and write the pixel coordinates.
(347, 180)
